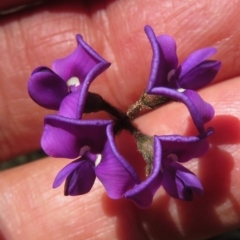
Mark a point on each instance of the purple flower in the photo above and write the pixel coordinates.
(178, 181)
(92, 143)
(179, 82)
(69, 81)
(89, 142)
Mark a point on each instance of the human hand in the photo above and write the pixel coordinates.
(30, 209)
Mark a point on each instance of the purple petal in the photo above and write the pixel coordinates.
(142, 194)
(75, 103)
(189, 179)
(64, 137)
(81, 180)
(79, 175)
(115, 173)
(168, 47)
(204, 108)
(69, 105)
(185, 148)
(46, 88)
(65, 172)
(180, 183)
(159, 69)
(193, 60)
(201, 75)
(83, 62)
(200, 111)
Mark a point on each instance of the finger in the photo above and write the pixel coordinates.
(29, 205)
(115, 30)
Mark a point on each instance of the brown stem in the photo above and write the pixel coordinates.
(145, 103)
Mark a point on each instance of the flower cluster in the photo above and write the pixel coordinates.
(91, 143)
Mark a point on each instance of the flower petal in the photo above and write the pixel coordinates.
(204, 108)
(185, 148)
(83, 62)
(64, 137)
(115, 173)
(193, 60)
(190, 180)
(159, 69)
(65, 172)
(200, 110)
(201, 75)
(81, 180)
(69, 106)
(142, 194)
(79, 175)
(169, 50)
(46, 88)
(180, 183)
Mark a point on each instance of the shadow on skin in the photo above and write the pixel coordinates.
(226, 130)
(196, 217)
(135, 223)
(130, 153)
(214, 171)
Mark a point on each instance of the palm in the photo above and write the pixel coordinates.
(115, 29)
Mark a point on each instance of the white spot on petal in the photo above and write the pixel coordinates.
(170, 74)
(73, 81)
(181, 90)
(98, 160)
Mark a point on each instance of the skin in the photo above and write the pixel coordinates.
(29, 208)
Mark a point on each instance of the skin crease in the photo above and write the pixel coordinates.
(29, 208)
